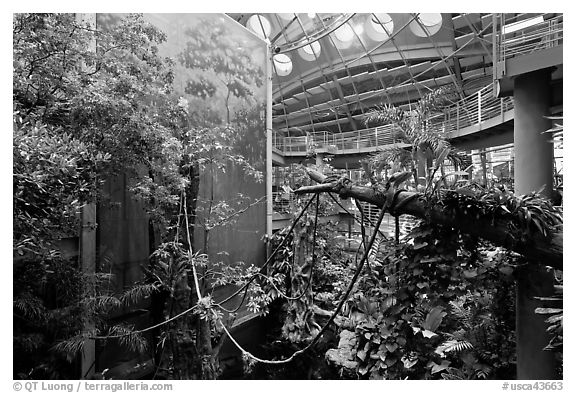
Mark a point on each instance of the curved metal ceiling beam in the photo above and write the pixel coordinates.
(308, 39)
(371, 62)
(337, 82)
(339, 86)
(325, 78)
(303, 89)
(477, 35)
(453, 54)
(443, 58)
(382, 43)
(400, 52)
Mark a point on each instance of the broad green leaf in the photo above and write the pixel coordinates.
(434, 318)
(439, 367)
(428, 334)
(409, 362)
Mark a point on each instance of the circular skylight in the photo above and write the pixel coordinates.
(311, 51)
(343, 36)
(260, 25)
(379, 26)
(429, 24)
(282, 64)
(358, 28)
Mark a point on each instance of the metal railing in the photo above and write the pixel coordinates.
(475, 109)
(283, 202)
(471, 111)
(547, 34)
(351, 140)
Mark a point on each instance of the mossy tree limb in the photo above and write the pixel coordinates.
(537, 248)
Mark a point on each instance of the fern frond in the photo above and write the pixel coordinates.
(483, 372)
(30, 307)
(453, 346)
(102, 302)
(133, 295)
(74, 345)
(71, 347)
(461, 313)
(129, 338)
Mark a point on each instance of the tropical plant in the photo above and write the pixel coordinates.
(422, 141)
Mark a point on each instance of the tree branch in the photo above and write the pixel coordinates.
(538, 249)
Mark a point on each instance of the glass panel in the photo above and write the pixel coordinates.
(219, 79)
(219, 74)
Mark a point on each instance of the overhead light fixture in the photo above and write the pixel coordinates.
(311, 15)
(524, 24)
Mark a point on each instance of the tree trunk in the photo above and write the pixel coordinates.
(538, 249)
(209, 366)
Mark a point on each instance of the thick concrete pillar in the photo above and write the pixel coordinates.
(533, 150)
(533, 168)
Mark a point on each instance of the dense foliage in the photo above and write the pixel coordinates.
(93, 104)
(438, 305)
(90, 105)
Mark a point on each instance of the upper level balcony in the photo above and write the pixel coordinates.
(529, 44)
(480, 115)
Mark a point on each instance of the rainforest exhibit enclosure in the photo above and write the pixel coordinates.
(266, 196)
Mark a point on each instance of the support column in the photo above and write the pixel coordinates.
(534, 151)
(88, 266)
(88, 236)
(533, 161)
(268, 105)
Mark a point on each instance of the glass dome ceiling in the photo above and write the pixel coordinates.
(330, 69)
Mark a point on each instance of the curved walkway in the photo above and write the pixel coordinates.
(480, 111)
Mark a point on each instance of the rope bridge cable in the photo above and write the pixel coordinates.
(309, 283)
(268, 260)
(188, 310)
(332, 317)
(320, 333)
(316, 338)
